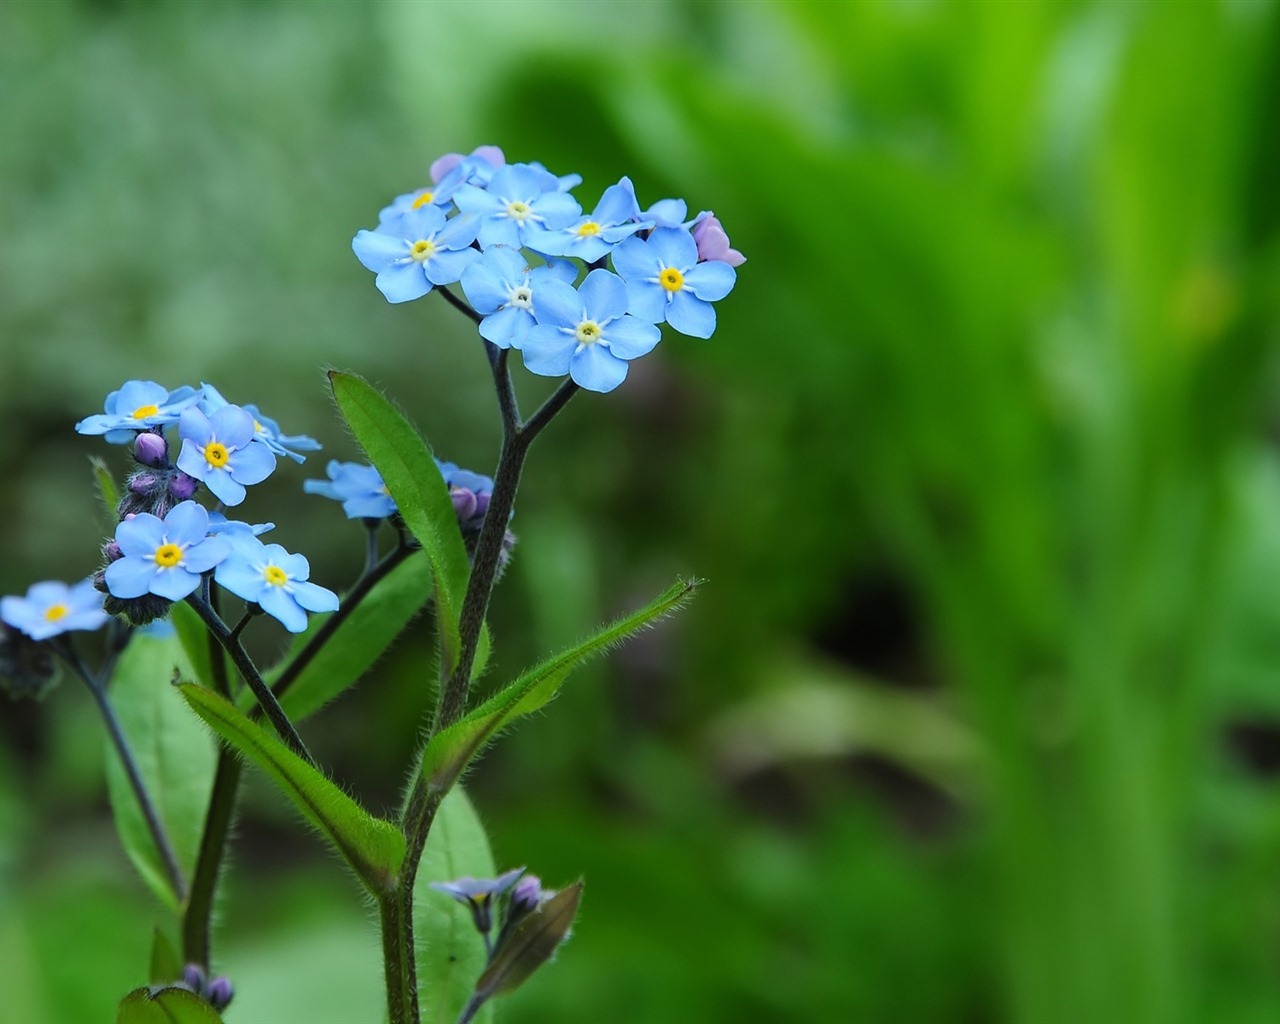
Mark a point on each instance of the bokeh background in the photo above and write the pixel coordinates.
(978, 718)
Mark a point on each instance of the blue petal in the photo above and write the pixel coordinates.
(447, 265)
(711, 281)
(557, 209)
(253, 463)
(477, 201)
(548, 350)
(618, 204)
(190, 461)
(187, 523)
(208, 553)
(633, 260)
(315, 598)
(130, 577)
(557, 304)
(196, 426)
(647, 301)
(498, 231)
(604, 295)
(556, 270)
(224, 488)
(459, 232)
(484, 289)
(233, 426)
(136, 393)
(376, 251)
(597, 369)
(241, 578)
(277, 603)
(403, 282)
(629, 337)
(141, 535)
(507, 327)
(675, 247)
(424, 222)
(690, 315)
(175, 583)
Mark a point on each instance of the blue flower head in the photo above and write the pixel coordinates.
(440, 194)
(360, 488)
(265, 429)
(502, 286)
(166, 556)
(417, 251)
(269, 576)
(222, 451)
(518, 199)
(587, 333)
(665, 281)
(52, 607)
(221, 525)
(138, 405)
(479, 894)
(615, 217)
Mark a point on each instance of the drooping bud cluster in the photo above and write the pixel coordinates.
(217, 991)
(518, 243)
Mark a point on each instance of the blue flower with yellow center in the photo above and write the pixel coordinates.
(665, 281)
(587, 333)
(265, 429)
(165, 556)
(269, 576)
(222, 451)
(138, 405)
(53, 607)
(518, 199)
(417, 251)
(615, 217)
(440, 194)
(502, 286)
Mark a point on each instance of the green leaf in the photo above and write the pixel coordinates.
(451, 953)
(400, 454)
(166, 963)
(452, 749)
(532, 942)
(358, 642)
(165, 1006)
(174, 756)
(195, 643)
(373, 847)
(107, 491)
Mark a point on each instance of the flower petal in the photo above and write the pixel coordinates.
(403, 282)
(629, 337)
(175, 583)
(130, 577)
(711, 281)
(280, 605)
(548, 350)
(690, 315)
(604, 295)
(595, 368)
(377, 251)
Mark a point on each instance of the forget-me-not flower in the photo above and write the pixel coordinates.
(417, 251)
(478, 168)
(587, 333)
(478, 894)
(138, 405)
(219, 524)
(665, 281)
(517, 199)
(360, 488)
(269, 576)
(222, 451)
(502, 286)
(440, 194)
(615, 217)
(265, 429)
(53, 607)
(165, 556)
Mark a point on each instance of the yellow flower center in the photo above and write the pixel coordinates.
(274, 575)
(588, 332)
(588, 229)
(168, 555)
(518, 210)
(422, 250)
(143, 411)
(216, 454)
(671, 279)
(423, 198)
(55, 612)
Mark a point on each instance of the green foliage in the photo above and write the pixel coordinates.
(195, 643)
(166, 961)
(398, 452)
(108, 493)
(175, 758)
(451, 954)
(165, 1006)
(374, 848)
(532, 942)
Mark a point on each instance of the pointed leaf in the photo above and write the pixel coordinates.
(532, 942)
(166, 963)
(373, 847)
(165, 1006)
(174, 756)
(400, 454)
(451, 953)
(358, 642)
(107, 490)
(452, 749)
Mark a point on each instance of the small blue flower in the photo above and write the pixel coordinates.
(440, 194)
(502, 286)
(478, 894)
(219, 524)
(470, 493)
(615, 217)
(221, 450)
(269, 576)
(665, 281)
(360, 488)
(667, 213)
(517, 199)
(265, 429)
(587, 333)
(166, 556)
(53, 607)
(138, 405)
(417, 251)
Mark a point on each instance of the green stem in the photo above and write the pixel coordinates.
(398, 961)
(197, 917)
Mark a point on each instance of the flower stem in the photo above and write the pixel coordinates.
(197, 917)
(397, 960)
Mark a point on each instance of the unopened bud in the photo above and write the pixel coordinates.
(464, 503)
(151, 449)
(143, 483)
(194, 978)
(111, 551)
(182, 486)
(220, 993)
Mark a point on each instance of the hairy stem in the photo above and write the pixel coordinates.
(197, 917)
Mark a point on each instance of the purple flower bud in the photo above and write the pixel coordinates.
(151, 449)
(142, 483)
(111, 551)
(713, 243)
(482, 504)
(194, 978)
(220, 993)
(464, 503)
(526, 895)
(182, 486)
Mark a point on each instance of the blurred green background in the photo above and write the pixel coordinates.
(978, 718)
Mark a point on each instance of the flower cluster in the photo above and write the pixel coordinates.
(517, 242)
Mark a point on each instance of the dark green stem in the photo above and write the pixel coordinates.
(197, 916)
(398, 961)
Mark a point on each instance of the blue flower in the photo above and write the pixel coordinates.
(615, 217)
(478, 894)
(53, 607)
(665, 281)
(360, 488)
(587, 333)
(166, 556)
(440, 194)
(265, 429)
(269, 576)
(221, 450)
(502, 286)
(138, 405)
(518, 199)
(220, 524)
(667, 213)
(417, 251)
